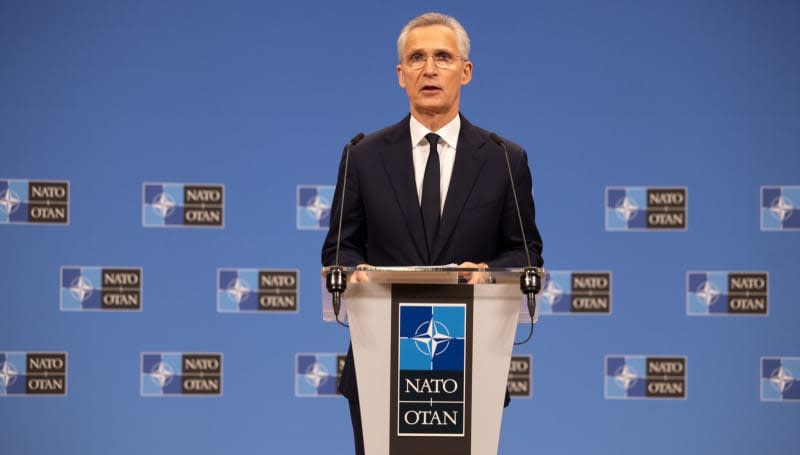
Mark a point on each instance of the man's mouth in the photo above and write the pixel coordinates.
(430, 89)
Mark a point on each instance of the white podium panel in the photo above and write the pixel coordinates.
(383, 348)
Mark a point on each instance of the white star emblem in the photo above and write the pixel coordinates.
(552, 293)
(781, 379)
(626, 377)
(163, 205)
(317, 206)
(81, 288)
(7, 373)
(316, 374)
(781, 208)
(626, 209)
(708, 293)
(431, 337)
(162, 374)
(9, 201)
(238, 290)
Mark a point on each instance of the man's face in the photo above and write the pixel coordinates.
(432, 90)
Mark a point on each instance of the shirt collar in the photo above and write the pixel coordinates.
(447, 133)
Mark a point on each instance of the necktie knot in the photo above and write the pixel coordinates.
(433, 140)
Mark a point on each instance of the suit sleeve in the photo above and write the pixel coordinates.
(510, 246)
(352, 250)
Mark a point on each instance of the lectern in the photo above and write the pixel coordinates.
(432, 357)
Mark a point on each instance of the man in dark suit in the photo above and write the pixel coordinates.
(432, 189)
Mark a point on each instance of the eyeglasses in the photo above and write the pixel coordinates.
(442, 60)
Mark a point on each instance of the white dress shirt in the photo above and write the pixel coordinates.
(448, 140)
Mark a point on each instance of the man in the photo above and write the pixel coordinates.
(407, 206)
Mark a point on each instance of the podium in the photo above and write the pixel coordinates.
(432, 357)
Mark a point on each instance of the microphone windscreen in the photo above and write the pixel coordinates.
(496, 139)
(356, 139)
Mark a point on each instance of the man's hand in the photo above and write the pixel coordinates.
(474, 277)
(360, 276)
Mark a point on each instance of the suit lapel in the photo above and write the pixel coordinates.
(467, 166)
(399, 167)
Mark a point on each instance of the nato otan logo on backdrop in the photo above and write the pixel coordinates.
(317, 374)
(780, 379)
(779, 208)
(645, 377)
(257, 290)
(183, 205)
(570, 292)
(640, 208)
(101, 288)
(34, 202)
(314, 207)
(520, 376)
(33, 373)
(432, 358)
(715, 293)
(181, 374)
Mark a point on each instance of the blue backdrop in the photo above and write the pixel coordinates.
(261, 96)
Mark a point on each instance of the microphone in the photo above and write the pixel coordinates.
(336, 278)
(529, 281)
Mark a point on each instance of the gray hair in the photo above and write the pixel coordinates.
(435, 19)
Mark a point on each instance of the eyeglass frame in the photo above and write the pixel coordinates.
(441, 63)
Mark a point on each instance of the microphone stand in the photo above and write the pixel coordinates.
(336, 278)
(529, 280)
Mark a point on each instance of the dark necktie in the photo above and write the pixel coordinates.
(430, 193)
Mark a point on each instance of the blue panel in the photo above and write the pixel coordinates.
(261, 97)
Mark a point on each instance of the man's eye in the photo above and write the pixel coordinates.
(416, 58)
(443, 57)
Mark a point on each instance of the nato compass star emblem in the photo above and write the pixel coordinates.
(9, 201)
(316, 374)
(707, 293)
(317, 206)
(238, 290)
(551, 293)
(781, 379)
(626, 209)
(781, 208)
(162, 374)
(81, 288)
(626, 377)
(8, 373)
(163, 205)
(432, 338)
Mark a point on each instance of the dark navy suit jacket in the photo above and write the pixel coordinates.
(382, 222)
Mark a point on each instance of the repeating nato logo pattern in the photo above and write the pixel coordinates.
(714, 293)
(101, 288)
(639, 208)
(317, 374)
(314, 207)
(779, 209)
(568, 292)
(33, 373)
(180, 374)
(779, 379)
(520, 376)
(645, 377)
(257, 290)
(34, 202)
(183, 205)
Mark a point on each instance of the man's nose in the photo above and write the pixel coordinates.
(430, 65)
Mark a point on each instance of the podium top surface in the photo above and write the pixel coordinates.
(447, 274)
(410, 271)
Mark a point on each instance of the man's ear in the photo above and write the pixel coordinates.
(466, 75)
(400, 78)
